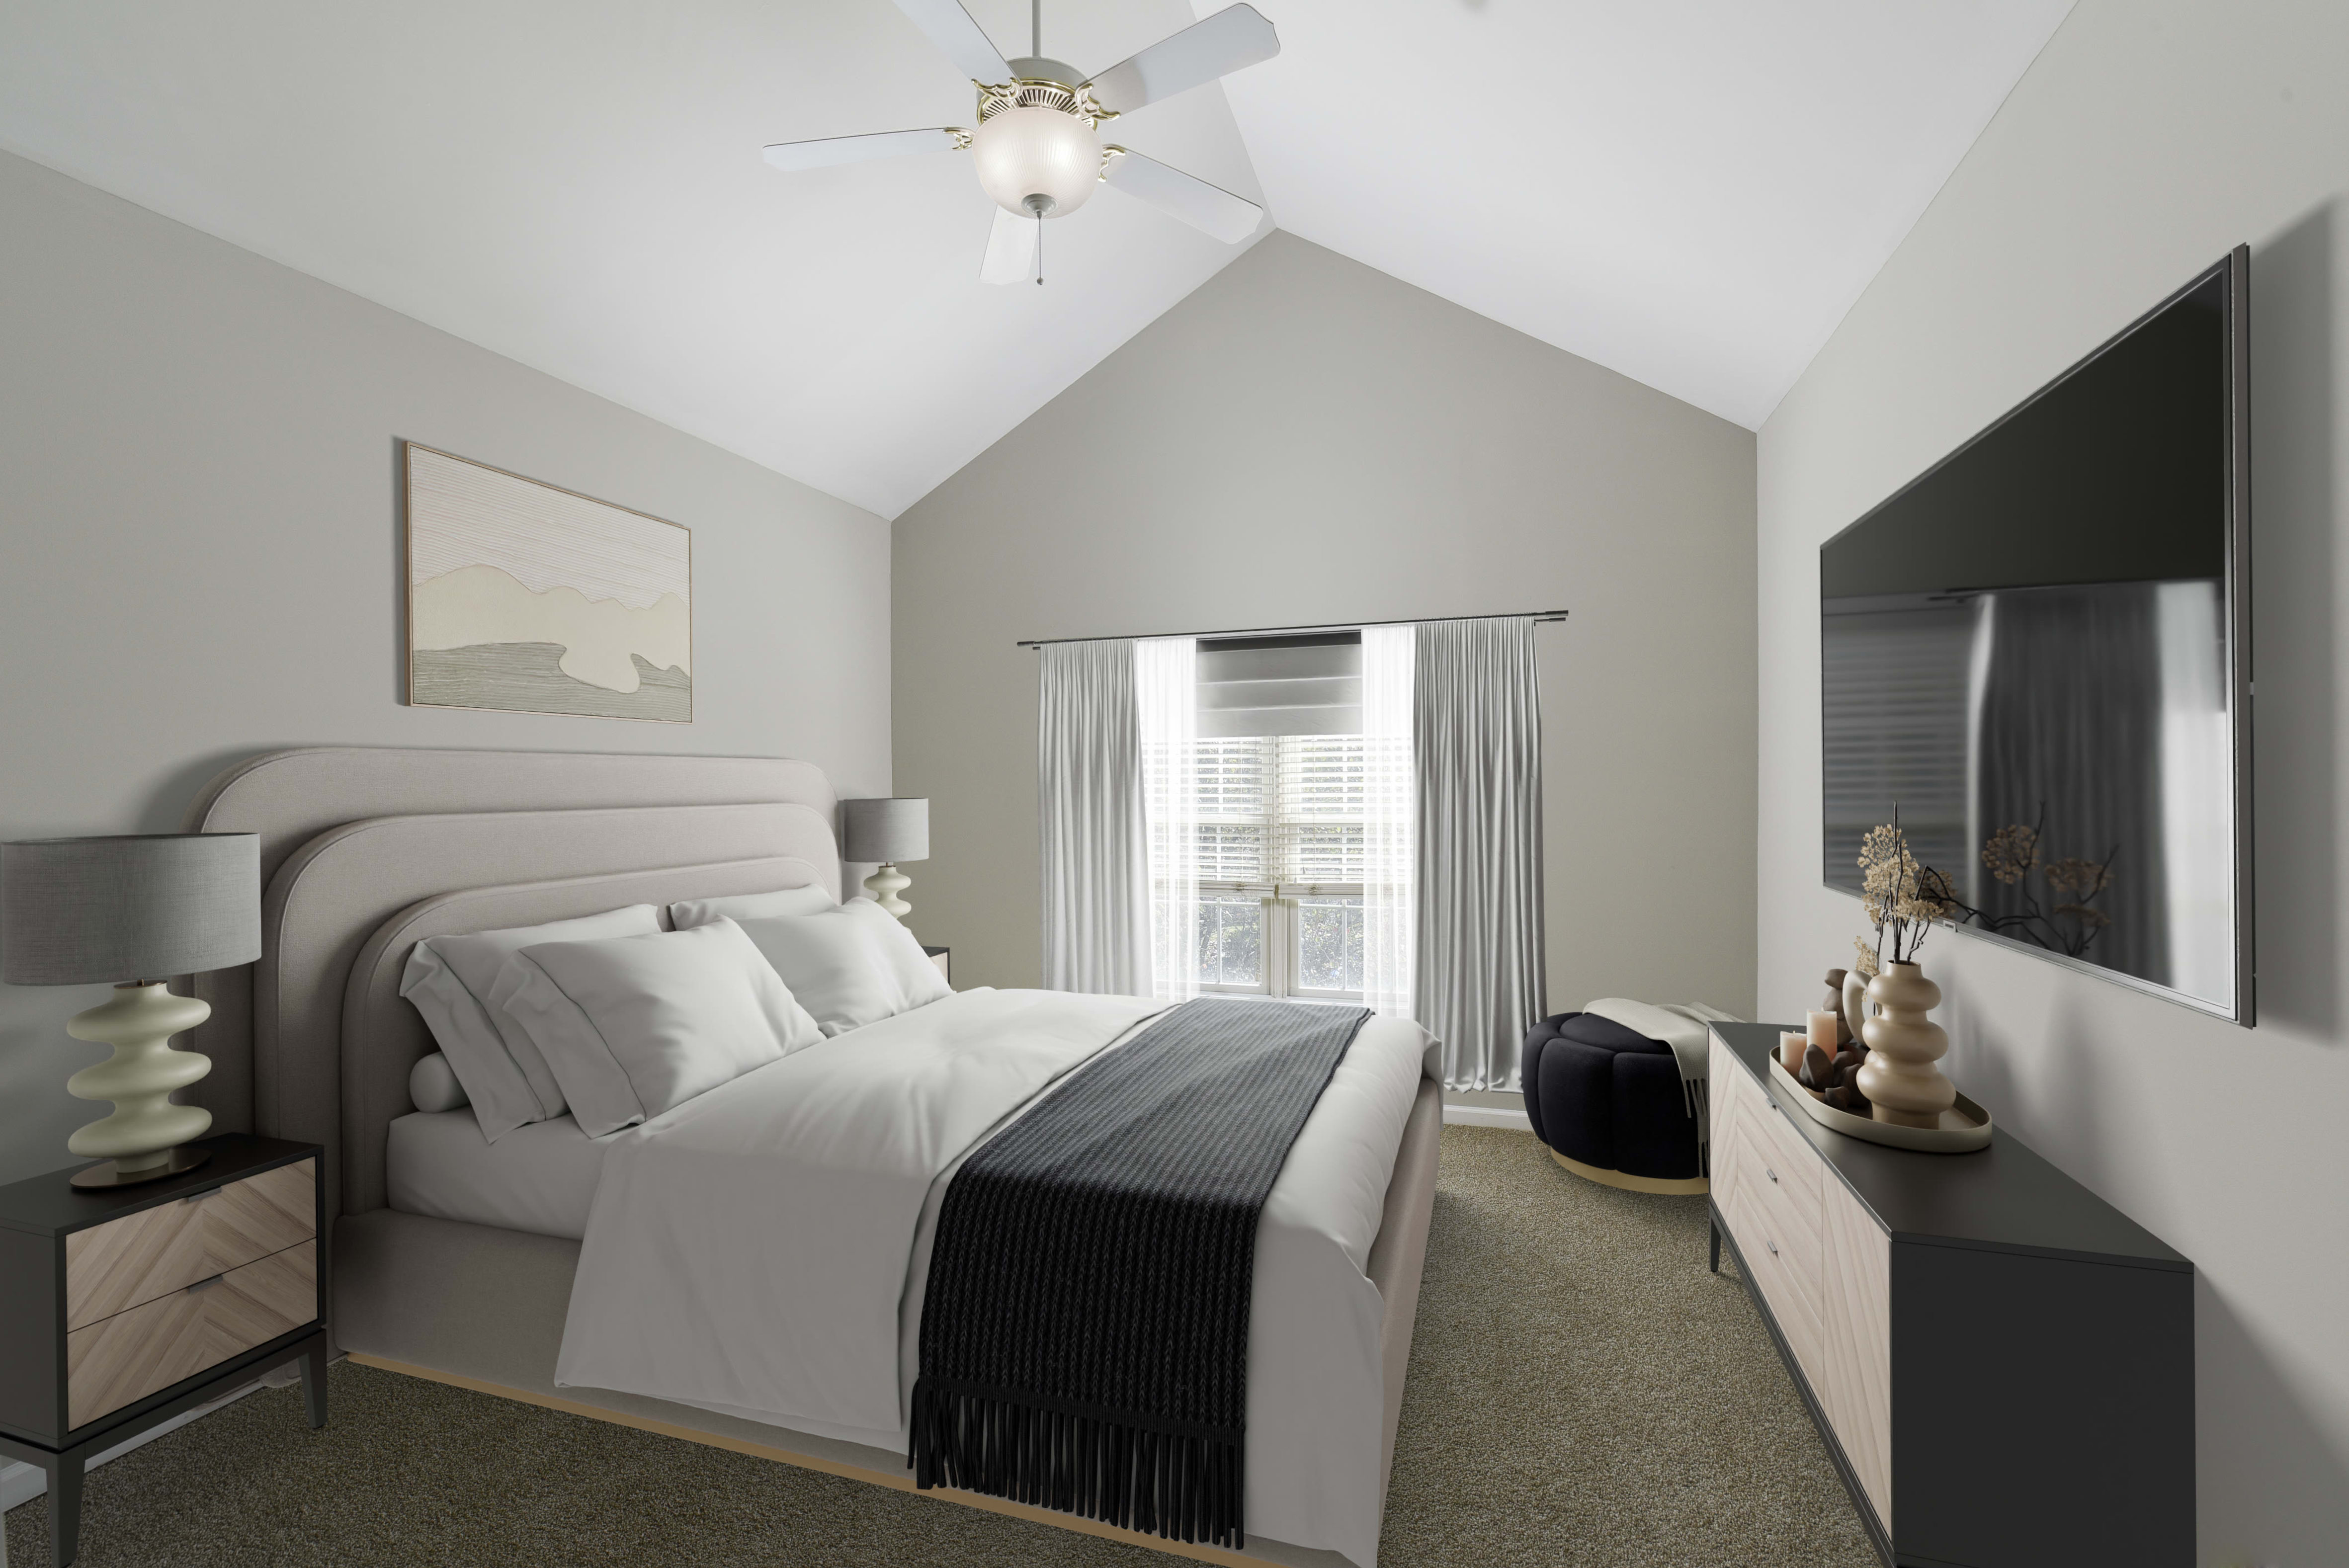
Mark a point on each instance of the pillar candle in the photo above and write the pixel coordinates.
(1790, 1051)
(1823, 1031)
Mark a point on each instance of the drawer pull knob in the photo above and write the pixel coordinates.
(200, 1197)
(1770, 1173)
(1771, 1245)
(203, 1285)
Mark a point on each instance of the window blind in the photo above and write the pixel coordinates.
(1281, 808)
(1281, 685)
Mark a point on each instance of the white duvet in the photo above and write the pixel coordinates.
(763, 1249)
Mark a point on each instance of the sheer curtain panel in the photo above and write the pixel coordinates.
(1089, 794)
(1389, 792)
(1477, 727)
(1166, 684)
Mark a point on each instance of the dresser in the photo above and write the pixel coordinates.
(122, 1307)
(2000, 1363)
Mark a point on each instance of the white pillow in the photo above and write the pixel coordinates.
(452, 981)
(634, 1025)
(432, 1084)
(750, 906)
(849, 966)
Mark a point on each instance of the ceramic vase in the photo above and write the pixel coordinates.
(1902, 1076)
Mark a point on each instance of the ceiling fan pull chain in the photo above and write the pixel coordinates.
(1040, 250)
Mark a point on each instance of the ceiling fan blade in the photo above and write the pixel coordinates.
(1210, 209)
(1231, 38)
(950, 26)
(832, 149)
(1010, 250)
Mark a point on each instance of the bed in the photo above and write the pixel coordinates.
(456, 1259)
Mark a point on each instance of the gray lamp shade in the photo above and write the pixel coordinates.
(77, 912)
(885, 831)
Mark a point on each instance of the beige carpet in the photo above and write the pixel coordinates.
(1582, 1392)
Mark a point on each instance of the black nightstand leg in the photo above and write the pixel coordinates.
(65, 1506)
(1713, 1228)
(314, 1382)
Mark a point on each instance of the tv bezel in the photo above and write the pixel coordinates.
(2234, 273)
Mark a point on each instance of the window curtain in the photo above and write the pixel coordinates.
(1477, 740)
(1167, 683)
(1088, 795)
(1390, 792)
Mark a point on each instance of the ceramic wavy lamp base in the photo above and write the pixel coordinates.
(884, 886)
(141, 1139)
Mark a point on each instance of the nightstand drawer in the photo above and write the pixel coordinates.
(144, 1256)
(130, 1355)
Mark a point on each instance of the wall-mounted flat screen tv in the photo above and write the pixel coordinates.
(2037, 652)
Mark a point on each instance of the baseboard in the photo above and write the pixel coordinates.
(23, 1482)
(1487, 1116)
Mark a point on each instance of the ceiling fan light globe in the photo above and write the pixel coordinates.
(1030, 151)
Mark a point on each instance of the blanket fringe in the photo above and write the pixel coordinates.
(1176, 1486)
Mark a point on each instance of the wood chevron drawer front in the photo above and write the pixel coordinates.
(125, 1358)
(1777, 1223)
(1722, 1101)
(1854, 1385)
(144, 1256)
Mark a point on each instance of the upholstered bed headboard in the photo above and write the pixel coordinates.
(365, 852)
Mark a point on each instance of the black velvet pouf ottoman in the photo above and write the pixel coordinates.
(1608, 1102)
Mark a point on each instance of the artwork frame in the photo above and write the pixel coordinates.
(521, 596)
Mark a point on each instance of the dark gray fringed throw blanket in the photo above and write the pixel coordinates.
(1084, 1337)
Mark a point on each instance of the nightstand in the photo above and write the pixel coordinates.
(943, 958)
(122, 1307)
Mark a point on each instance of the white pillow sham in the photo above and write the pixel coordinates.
(432, 1084)
(633, 1025)
(849, 966)
(750, 906)
(452, 981)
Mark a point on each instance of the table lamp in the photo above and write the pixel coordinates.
(76, 912)
(887, 831)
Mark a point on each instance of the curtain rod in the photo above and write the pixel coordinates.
(1538, 617)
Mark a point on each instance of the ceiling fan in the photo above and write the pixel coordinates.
(1038, 147)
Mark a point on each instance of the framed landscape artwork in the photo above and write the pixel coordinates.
(530, 599)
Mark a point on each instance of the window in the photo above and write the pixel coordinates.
(1281, 865)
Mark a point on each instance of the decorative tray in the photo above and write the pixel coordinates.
(1965, 1127)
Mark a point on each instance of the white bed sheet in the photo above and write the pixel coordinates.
(539, 1178)
(695, 1284)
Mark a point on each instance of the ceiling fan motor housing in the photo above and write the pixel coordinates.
(1036, 148)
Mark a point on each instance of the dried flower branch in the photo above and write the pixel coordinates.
(1867, 963)
(1902, 897)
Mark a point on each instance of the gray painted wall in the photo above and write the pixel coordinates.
(200, 554)
(2147, 139)
(1306, 439)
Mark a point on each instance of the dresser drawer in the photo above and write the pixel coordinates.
(125, 1358)
(144, 1256)
(1784, 1152)
(1775, 1215)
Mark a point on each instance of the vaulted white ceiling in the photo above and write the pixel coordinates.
(1691, 191)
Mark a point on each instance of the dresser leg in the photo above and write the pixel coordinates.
(64, 1507)
(1713, 1231)
(314, 1383)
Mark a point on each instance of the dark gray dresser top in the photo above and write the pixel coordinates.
(2004, 1198)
